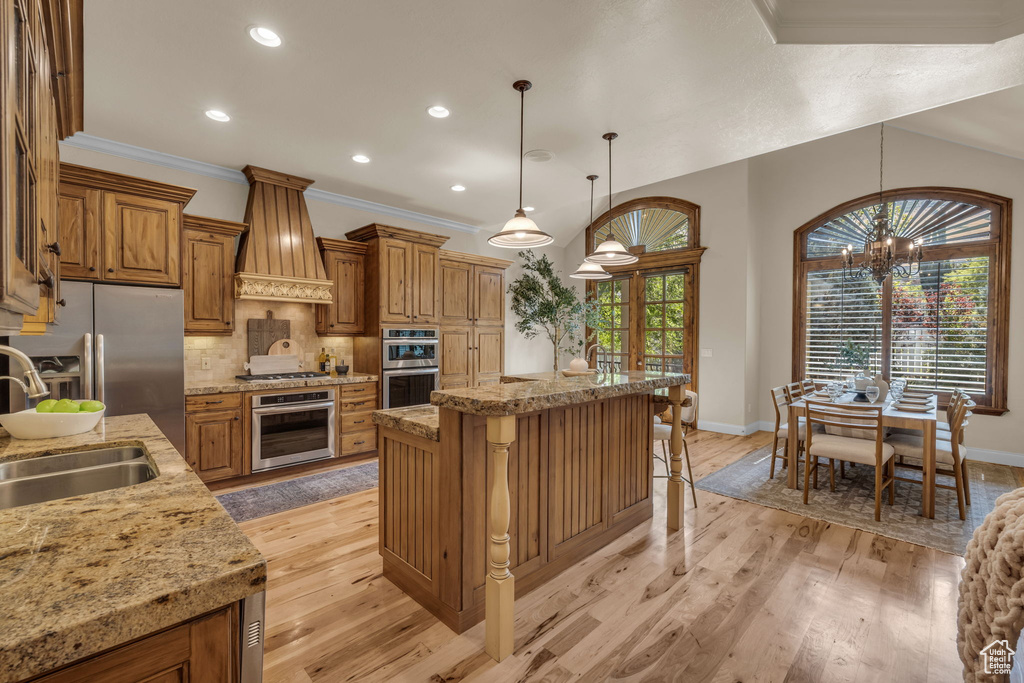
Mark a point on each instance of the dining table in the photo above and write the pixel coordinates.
(924, 422)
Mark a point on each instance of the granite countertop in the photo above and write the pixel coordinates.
(84, 574)
(418, 420)
(525, 393)
(230, 385)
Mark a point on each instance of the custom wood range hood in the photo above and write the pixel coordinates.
(277, 257)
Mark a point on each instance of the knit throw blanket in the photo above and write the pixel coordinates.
(991, 606)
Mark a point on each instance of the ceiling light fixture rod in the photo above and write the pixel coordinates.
(522, 87)
(591, 178)
(609, 137)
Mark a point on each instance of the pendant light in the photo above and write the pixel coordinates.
(588, 270)
(611, 252)
(521, 232)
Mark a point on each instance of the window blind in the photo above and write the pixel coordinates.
(839, 313)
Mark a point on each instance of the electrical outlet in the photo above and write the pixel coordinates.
(706, 353)
(205, 363)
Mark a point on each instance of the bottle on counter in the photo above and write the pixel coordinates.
(333, 361)
(321, 360)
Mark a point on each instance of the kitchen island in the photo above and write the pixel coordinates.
(522, 478)
(158, 564)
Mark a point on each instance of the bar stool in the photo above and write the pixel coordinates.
(663, 433)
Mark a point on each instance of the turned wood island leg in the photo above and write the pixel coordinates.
(676, 488)
(500, 590)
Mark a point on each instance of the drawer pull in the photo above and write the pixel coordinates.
(358, 443)
(359, 422)
(212, 402)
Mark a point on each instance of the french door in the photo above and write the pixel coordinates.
(649, 321)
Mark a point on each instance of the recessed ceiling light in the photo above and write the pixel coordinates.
(458, 188)
(361, 159)
(438, 112)
(264, 36)
(527, 209)
(217, 115)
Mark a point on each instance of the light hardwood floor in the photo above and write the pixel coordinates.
(742, 593)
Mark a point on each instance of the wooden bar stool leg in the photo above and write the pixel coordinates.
(689, 472)
(676, 492)
(500, 592)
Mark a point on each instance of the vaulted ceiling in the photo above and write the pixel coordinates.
(687, 84)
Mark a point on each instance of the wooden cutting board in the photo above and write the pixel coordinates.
(285, 347)
(263, 332)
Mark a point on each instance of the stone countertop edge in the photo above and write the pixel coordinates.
(232, 385)
(526, 393)
(82, 575)
(417, 420)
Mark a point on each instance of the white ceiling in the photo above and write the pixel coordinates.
(993, 122)
(687, 84)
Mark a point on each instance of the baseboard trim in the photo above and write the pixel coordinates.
(726, 428)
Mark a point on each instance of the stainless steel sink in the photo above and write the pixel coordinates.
(51, 477)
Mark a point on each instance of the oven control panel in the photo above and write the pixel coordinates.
(300, 397)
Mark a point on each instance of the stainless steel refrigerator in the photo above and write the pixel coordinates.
(124, 346)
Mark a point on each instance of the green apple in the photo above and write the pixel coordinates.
(91, 406)
(65, 405)
(46, 406)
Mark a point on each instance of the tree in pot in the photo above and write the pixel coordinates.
(545, 306)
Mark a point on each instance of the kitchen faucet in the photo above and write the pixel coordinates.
(35, 388)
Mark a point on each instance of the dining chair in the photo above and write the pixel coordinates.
(808, 386)
(794, 391)
(780, 402)
(663, 433)
(856, 449)
(951, 452)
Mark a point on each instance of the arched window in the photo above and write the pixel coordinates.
(652, 305)
(943, 328)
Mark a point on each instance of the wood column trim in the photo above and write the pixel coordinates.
(676, 489)
(500, 588)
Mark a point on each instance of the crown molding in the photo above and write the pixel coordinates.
(149, 156)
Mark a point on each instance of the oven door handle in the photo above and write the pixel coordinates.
(415, 371)
(270, 410)
(413, 341)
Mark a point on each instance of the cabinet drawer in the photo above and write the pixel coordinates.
(355, 390)
(357, 442)
(354, 422)
(213, 402)
(357, 404)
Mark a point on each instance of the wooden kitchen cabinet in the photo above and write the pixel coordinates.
(121, 228)
(356, 431)
(204, 650)
(207, 271)
(32, 111)
(214, 436)
(403, 276)
(472, 314)
(345, 264)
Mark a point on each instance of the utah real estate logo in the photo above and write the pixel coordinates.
(998, 657)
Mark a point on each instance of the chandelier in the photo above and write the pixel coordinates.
(884, 253)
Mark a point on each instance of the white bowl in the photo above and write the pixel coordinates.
(28, 424)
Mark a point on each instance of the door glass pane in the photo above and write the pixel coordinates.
(613, 333)
(665, 322)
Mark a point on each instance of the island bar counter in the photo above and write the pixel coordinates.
(523, 480)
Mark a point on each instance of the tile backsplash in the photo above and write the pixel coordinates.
(228, 354)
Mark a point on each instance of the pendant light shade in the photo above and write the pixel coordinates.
(611, 252)
(521, 232)
(588, 270)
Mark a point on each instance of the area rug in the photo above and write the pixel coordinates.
(261, 501)
(853, 502)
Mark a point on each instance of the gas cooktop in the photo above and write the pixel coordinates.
(281, 376)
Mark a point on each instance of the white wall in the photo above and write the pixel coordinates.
(224, 199)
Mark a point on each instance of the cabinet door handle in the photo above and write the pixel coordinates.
(236, 418)
(92, 269)
(54, 248)
(62, 303)
(110, 270)
(47, 281)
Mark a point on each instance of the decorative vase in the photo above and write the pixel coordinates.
(861, 381)
(883, 388)
(579, 365)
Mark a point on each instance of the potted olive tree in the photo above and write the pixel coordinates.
(546, 307)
